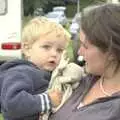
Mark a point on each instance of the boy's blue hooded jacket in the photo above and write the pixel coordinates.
(21, 82)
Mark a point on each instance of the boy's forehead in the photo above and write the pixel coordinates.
(53, 36)
(52, 40)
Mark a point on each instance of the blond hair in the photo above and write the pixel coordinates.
(40, 26)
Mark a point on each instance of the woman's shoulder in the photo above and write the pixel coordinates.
(87, 81)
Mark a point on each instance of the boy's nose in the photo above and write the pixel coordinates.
(53, 52)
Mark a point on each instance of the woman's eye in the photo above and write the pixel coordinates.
(83, 45)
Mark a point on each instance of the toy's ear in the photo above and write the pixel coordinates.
(64, 55)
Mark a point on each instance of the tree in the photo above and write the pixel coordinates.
(30, 5)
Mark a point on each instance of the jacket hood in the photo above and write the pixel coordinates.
(14, 63)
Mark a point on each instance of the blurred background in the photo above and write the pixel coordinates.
(16, 13)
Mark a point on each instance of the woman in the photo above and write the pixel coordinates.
(98, 96)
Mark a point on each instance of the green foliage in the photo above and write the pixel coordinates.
(71, 10)
(72, 7)
(47, 5)
(70, 51)
(30, 5)
(1, 118)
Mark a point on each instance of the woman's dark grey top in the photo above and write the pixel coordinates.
(106, 108)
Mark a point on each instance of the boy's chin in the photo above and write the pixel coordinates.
(50, 69)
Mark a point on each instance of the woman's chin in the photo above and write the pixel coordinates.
(88, 70)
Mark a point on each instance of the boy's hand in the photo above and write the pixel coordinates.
(56, 97)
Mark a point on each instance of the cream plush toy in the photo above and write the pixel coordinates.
(65, 78)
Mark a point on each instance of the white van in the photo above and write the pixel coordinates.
(10, 29)
(59, 8)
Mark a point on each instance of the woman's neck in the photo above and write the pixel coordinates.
(111, 82)
(112, 71)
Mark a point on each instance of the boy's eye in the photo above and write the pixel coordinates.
(46, 46)
(60, 50)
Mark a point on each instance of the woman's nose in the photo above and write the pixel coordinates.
(81, 51)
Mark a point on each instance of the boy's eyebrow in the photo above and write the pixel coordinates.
(62, 47)
(50, 43)
(47, 42)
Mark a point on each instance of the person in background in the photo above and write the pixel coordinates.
(74, 31)
(98, 95)
(24, 82)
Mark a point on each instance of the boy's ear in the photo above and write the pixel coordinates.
(27, 53)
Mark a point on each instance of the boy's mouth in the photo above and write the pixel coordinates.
(52, 62)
